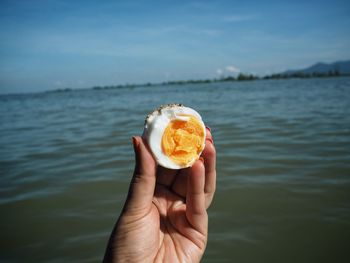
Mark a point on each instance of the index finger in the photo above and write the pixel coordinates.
(209, 156)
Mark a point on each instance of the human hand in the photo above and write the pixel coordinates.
(165, 218)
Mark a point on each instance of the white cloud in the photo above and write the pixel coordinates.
(232, 69)
(219, 71)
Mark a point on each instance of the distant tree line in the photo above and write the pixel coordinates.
(302, 75)
(239, 77)
(117, 86)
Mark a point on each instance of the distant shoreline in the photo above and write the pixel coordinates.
(240, 77)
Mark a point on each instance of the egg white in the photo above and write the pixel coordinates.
(155, 126)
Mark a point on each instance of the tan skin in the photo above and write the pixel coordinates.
(165, 218)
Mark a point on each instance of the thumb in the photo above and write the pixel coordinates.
(142, 185)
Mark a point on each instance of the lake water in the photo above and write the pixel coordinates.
(283, 156)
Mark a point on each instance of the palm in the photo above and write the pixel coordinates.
(176, 237)
(164, 218)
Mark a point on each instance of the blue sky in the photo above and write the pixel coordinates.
(56, 44)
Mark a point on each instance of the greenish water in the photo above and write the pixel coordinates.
(283, 169)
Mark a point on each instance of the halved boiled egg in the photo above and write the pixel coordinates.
(175, 135)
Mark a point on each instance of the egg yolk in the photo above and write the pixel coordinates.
(182, 141)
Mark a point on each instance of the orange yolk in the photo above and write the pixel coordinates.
(182, 141)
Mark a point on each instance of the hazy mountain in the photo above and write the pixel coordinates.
(343, 67)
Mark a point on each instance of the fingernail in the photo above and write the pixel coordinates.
(211, 140)
(208, 128)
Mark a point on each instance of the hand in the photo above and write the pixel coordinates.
(164, 218)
